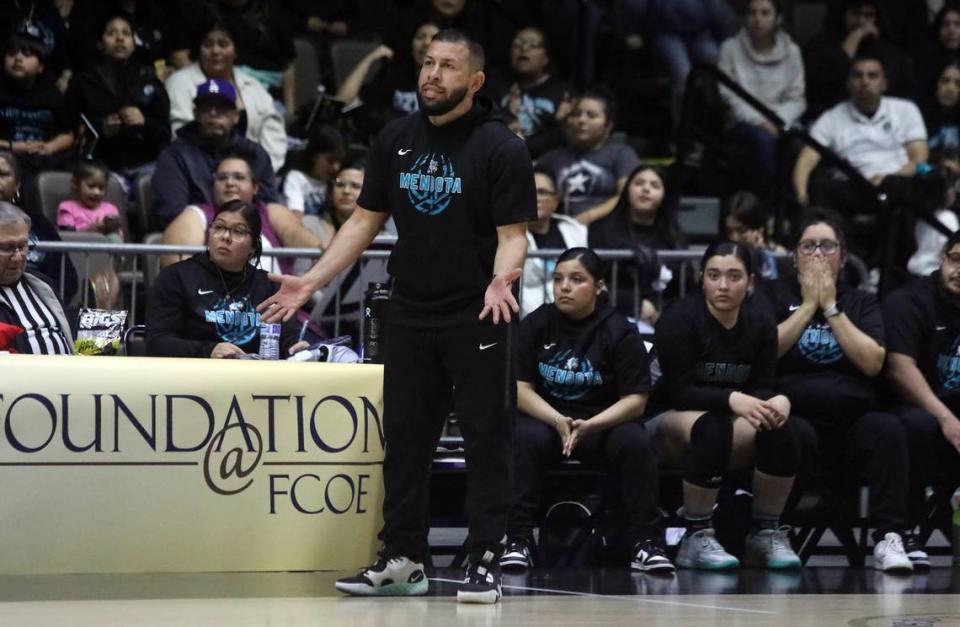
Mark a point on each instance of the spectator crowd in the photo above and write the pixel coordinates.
(774, 361)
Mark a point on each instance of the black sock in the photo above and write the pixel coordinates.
(697, 522)
(761, 522)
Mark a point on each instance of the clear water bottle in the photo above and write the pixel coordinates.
(269, 340)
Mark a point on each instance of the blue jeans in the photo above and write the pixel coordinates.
(762, 146)
(679, 53)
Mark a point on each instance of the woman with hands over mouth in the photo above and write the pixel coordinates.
(831, 349)
(583, 379)
(718, 353)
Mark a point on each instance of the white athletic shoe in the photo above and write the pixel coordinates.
(397, 576)
(889, 555)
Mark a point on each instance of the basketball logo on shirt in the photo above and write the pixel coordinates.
(948, 367)
(431, 183)
(819, 345)
(568, 377)
(236, 320)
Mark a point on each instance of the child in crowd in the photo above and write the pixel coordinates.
(307, 184)
(745, 222)
(87, 210)
(36, 122)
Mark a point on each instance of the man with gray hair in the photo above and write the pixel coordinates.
(25, 299)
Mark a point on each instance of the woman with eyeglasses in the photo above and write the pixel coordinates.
(233, 179)
(205, 306)
(533, 92)
(549, 231)
(830, 347)
(717, 353)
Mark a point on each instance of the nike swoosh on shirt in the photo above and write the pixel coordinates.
(204, 292)
(793, 307)
(402, 151)
(484, 347)
(547, 347)
(941, 328)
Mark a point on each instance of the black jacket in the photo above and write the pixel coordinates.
(105, 89)
(184, 174)
(193, 306)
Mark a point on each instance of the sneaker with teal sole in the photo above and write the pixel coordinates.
(393, 577)
(701, 550)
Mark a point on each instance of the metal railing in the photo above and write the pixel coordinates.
(875, 195)
(137, 275)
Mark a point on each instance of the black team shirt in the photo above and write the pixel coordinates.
(815, 374)
(581, 367)
(923, 322)
(448, 188)
(703, 362)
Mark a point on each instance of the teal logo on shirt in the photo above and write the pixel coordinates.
(431, 183)
(236, 320)
(948, 367)
(568, 377)
(819, 345)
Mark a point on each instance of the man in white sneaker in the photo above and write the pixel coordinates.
(923, 363)
(459, 186)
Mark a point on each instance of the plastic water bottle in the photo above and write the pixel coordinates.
(955, 503)
(269, 340)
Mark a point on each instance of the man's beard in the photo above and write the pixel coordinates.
(441, 107)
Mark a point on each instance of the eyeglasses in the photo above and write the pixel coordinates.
(520, 44)
(827, 247)
(220, 230)
(9, 250)
(223, 177)
(952, 258)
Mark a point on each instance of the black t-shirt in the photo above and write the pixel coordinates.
(394, 87)
(537, 110)
(448, 188)
(552, 239)
(703, 362)
(923, 322)
(815, 374)
(581, 367)
(35, 113)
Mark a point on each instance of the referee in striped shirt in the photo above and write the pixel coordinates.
(27, 300)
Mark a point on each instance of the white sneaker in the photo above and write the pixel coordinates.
(397, 576)
(889, 556)
(701, 550)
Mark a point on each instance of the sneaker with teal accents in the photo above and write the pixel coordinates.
(396, 577)
(770, 548)
(701, 550)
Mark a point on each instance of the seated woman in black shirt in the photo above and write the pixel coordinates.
(582, 382)
(831, 350)
(205, 306)
(718, 354)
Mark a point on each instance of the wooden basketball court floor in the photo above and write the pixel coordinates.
(815, 596)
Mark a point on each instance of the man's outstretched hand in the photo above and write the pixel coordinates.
(293, 293)
(499, 297)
